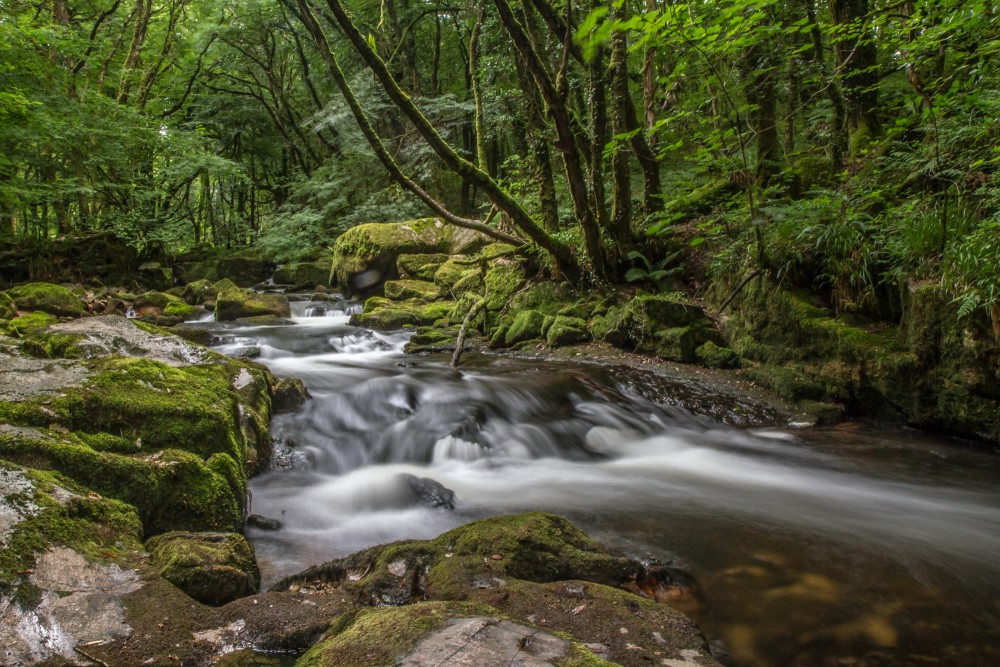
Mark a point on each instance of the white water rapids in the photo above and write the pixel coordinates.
(809, 546)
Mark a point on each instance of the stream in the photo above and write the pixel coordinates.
(850, 545)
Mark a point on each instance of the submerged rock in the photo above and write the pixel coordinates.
(429, 492)
(263, 522)
(290, 394)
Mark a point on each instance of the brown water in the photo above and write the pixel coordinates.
(854, 545)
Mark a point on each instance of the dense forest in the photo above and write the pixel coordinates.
(841, 145)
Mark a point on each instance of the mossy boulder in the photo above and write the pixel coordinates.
(154, 304)
(565, 330)
(533, 546)
(399, 290)
(27, 322)
(47, 298)
(156, 275)
(365, 256)
(433, 339)
(511, 570)
(527, 325)
(381, 313)
(198, 292)
(667, 325)
(502, 280)
(213, 568)
(420, 266)
(65, 556)
(304, 275)
(245, 271)
(716, 356)
(232, 304)
(8, 308)
(169, 489)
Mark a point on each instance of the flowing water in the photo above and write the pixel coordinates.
(841, 546)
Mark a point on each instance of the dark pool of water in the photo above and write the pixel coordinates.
(853, 545)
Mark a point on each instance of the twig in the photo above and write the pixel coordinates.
(90, 657)
(739, 288)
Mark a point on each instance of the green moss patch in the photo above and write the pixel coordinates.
(48, 298)
(381, 313)
(213, 568)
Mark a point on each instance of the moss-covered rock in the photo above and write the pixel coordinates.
(198, 292)
(420, 266)
(8, 309)
(27, 322)
(244, 270)
(501, 281)
(290, 394)
(365, 255)
(47, 298)
(154, 304)
(566, 330)
(233, 304)
(399, 290)
(667, 325)
(169, 489)
(304, 275)
(715, 356)
(381, 313)
(432, 339)
(213, 568)
(527, 325)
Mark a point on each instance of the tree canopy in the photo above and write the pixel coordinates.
(843, 145)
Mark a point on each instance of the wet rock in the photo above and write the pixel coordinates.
(47, 298)
(429, 492)
(251, 352)
(290, 394)
(232, 304)
(263, 522)
(213, 568)
(483, 640)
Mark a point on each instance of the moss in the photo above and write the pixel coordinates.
(381, 313)
(580, 656)
(381, 636)
(180, 309)
(212, 568)
(375, 246)
(501, 282)
(547, 298)
(170, 489)
(667, 325)
(301, 275)
(533, 546)
(420, 266)
(232, 304)
(715, 356)
(52, 345)
(48, 298)
(198, 292)
(566, 330)
(100, 528)
(399, 290)
(451, 271)
(8, 309)
(432, 339)
(35, 320)
(527, 325)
